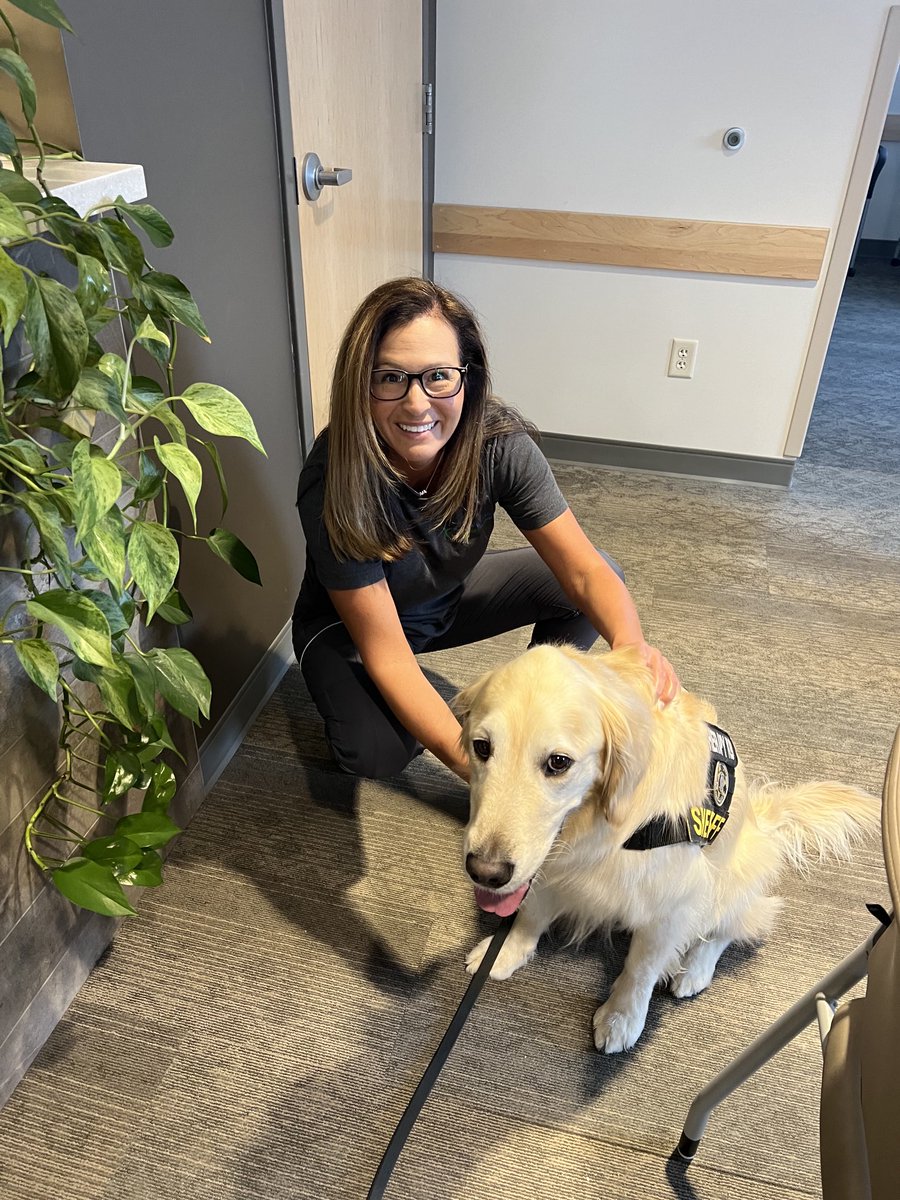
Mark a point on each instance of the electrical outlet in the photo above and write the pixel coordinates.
(683, 358)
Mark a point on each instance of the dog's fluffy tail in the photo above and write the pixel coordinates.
(814, 822)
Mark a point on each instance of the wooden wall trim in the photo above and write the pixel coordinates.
(711, 247)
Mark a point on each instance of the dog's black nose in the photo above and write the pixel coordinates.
(488, 873)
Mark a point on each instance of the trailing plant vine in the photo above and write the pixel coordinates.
(89, 452)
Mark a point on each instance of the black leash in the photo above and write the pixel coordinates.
(427, 1082)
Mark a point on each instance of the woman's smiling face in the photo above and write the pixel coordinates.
(417, 427)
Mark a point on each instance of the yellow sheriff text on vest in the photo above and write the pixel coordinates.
(707, 823)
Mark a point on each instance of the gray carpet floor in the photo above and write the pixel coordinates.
(258, 1030)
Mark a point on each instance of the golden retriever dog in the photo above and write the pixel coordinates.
(575, 767)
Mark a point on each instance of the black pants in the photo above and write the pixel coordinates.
(508, 589)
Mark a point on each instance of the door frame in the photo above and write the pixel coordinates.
(290, 195)
(290, 201)
(429, 73)
(885, 73)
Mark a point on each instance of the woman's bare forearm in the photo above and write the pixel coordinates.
(419, 708)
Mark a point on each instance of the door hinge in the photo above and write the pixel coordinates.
(428, 108)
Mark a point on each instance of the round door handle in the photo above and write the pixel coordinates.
(315, 176)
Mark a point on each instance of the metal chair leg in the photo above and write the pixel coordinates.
(767, 1045)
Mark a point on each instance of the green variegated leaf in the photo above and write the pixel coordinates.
(81, 621)
(159, 292)
(110, 608)
(105, 546)
(88, 570)
(97, 486)
(150, 482)
(181, 681)
(47, 11)
(174, 609)
(235, 553)
(122, 248)
(98, 321)
(162, 735)
(148, 332)
(93, 886)
(12, 223)
(47, 521)
(163, 413)
(84, 671)
(154, 558)
(13, 295)
(161, 790)
(97, 390)
(148, 829)
(72, 233)
(219, 411)
(213, 452)
(56, 330)
(154, 341)
(8, 143)
(148, 872)
(54, 206)
(94, 286)
(121, 771)
(18, 70)
(149, 751)
(114, 851)
(144, 677)
(18, 188)
(149, 219)
(113, 367)
(145, 391)
(23, 457)
(185, 466)
(128, 606)
(39, 662)
(117, 689)
(62, 451)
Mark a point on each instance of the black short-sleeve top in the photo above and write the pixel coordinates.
(427, 582)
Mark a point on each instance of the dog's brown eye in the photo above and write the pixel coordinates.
(482, 748)
(557, 764)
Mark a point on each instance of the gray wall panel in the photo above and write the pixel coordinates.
(185, 90)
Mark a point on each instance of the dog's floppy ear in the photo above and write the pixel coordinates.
(463, 702)
(626, 726)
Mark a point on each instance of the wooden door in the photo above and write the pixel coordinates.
(355, 73)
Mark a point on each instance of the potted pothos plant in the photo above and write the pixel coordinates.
(90, 450)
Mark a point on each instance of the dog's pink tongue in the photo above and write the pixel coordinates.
(503, 906)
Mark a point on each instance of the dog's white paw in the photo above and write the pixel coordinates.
(512, 956)
(691, 980)
(616, 1029)
(697, 968)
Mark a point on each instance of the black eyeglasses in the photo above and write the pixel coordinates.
(440, 383)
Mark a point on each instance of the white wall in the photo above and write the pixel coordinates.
(602, 106)
(883, 215)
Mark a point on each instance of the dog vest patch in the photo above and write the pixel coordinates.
(705, 821)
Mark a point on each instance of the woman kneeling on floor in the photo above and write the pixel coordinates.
(397, 501)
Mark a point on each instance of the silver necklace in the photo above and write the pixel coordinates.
(424, 491)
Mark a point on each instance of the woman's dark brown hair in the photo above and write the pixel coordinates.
(360, 480)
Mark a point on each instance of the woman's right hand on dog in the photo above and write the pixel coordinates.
(667, 682)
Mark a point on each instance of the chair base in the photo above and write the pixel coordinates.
(770, 1041)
